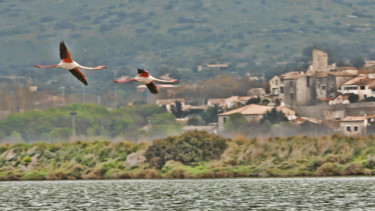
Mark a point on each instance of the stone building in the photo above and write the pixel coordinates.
(319, 83)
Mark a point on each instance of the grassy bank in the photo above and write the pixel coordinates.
(191, 155)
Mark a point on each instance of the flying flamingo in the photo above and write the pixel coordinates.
(68, 63)
(145, 78)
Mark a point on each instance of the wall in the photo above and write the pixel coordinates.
(360, 125)
(330, 112)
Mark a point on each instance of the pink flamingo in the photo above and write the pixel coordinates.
(68, 63)
(145, 78)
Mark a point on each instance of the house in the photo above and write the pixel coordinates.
(230, 102)
(363, 86)
(277, 84)
(252, 112)
(353, 125)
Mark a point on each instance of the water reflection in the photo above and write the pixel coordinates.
(215, 194)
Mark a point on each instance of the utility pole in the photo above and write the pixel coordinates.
(99, 100)
(73, 114)
(115, 91)
(63, 94)
(83, 94)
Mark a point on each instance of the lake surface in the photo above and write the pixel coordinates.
(336, 193)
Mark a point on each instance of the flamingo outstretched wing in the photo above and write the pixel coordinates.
(64, 53)
(79, 75)
(152, 87)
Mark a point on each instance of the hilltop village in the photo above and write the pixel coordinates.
(340, 98)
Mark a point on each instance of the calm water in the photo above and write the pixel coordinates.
(217, 194)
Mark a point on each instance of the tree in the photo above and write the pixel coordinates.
(353, 98)
(188, 148)
(253, 101)
(357, 62)
(274, 116)
(194, 120)
(177, 110)
(210, 115)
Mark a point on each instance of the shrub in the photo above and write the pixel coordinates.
(36, 175)
(26, 160)
(188, 148)
(327, 169)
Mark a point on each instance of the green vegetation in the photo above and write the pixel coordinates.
(91, 121)
(175, 36)
(188, 148)
(213, 157)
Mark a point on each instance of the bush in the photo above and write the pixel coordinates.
(36, 175)
(353, 98)
(188, 148)
(327, 169)
(26, 160)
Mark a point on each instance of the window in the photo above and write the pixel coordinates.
(276, 82)
(281, 80)
(308, 81)
(323, 87)
(281, 89)
(355, 128)
(225, 119)
(373, 90)
(276, 91)
(348, 129)
(365, 96)
(362, 87)
(291, 96)
(290, 83)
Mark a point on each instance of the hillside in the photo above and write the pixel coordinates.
(191, 155)
(175, 36)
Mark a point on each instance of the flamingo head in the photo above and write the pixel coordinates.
(102, 67)
(175, 81)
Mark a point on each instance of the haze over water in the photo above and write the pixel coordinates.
(209, 194)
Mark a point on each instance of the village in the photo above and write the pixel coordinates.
(340, 98)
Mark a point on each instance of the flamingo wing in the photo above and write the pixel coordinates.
(152, 87)
(64, 53)
(79, 75)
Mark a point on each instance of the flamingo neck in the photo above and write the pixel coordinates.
(46, 66)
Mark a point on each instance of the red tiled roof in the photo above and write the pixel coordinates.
(325, 99)
(356, 80)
